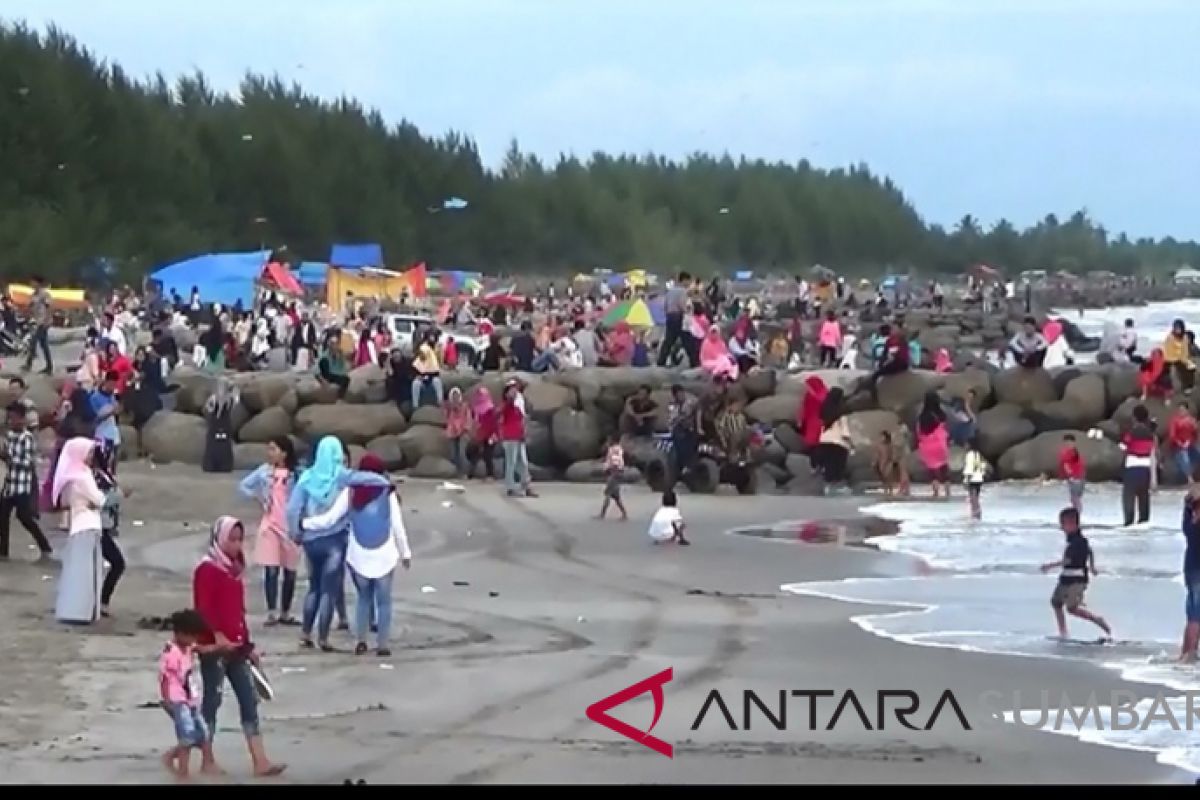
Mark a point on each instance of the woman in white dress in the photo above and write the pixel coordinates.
(81, 579)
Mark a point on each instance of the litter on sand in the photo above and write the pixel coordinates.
(448, 486)
(386, 666)
(137, 523)
(446, 504)
(45, 577)
(286, 670)
(468, 534)
(427, 590)
(581, 619)
(493, 594)
(462, 583)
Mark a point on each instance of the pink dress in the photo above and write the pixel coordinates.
(934, 447)
(274, 548)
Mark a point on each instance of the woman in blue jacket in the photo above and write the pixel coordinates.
(325, 545)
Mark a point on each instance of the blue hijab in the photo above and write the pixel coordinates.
(322, 480)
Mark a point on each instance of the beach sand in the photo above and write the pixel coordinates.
(487, 689)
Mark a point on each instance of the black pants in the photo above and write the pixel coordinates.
(340, 381)
(673, 334)
(116, 565)
(1185, 376)
(685, 444)
(40, 339)
(830, 459)
(745, 363)
(828, 356)
(24, 505)
(485, 451)
(1136, 489)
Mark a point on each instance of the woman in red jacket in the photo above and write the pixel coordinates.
(226, 650)
(809, 419)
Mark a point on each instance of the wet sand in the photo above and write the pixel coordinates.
(492, 689)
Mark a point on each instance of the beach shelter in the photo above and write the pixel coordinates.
(312, 273)
(223, 278)
(373, 282)
(356, 255)
(635, 312)
(277, 276)
(59, 298)
(636, 278)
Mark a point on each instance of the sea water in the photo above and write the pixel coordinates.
(982, 590)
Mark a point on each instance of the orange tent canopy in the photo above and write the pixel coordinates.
(282, 278)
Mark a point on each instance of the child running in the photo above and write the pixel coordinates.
(667, 524)
(179, 692)
(1077, 562)
(1073, 470)
(975, 469)
(614, 467)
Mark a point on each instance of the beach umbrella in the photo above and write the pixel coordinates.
(635, 312)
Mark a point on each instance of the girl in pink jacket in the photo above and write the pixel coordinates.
(830, 340)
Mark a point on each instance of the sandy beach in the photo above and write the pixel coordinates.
(491, 677)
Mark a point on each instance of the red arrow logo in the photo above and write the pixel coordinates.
(598, 712)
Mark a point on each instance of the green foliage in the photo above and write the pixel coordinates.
(94, 164)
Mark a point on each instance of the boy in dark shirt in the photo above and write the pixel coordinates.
(1077, 562)
(1191, 577)
(522, 349)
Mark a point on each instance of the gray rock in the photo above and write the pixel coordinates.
(248, 455)
(772, 453)
(592, 471)
(1024, 387)
(640, 450)
(1039, 456)
(957, 384)
(539, 473)
(798, 466)
(845, 379)
(1001, 427)
(1159, 410)
(368, 384)
(1082, 406)
(778, 475)
(866, 426)
(310, 392)
(389, 449)
(266, 425)
(194, 390)
(539, 444)
(290, 402)
(1121, 383)
(264, 391)
(131, 443)
(786, 435)
(758, 383)
(170, 436)
(543, 399)
(423, 440)
(576, 435)
(429, 415)
(775, 409)
(904, 391)
(353, 424)
(431, 466)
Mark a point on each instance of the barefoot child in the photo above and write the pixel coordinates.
(614, 467)
(667, 525)
(1073, 470)
(179, 692)
(1077, 562)
(975, 469)
(889, 465)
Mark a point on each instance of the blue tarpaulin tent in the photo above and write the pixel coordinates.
(356, 255)
(221, 277)
(312, 273)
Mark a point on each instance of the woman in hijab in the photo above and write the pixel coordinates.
(742, 346)
(458, 420)
(260, 345)
(833, 449)
(218, 411)
(324, 545)
(378, 542)
(809, 421)
(943, 363)
(364, 353)
(213, 342)
(933, 443)
(715, 357)
(332, 364)
(485, 432)
(90, 373)
(620, 345)
(116, 361)
(226, 651)
(1154, 378)
(1177, 354)
(79, 583)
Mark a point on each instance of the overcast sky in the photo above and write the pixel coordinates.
(999, 108)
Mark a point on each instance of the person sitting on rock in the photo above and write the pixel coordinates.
(428, 370)
(715, 357)
(1028, 346)
(1178, 356)
(1154, 379)
(743, 347)
(640, 409)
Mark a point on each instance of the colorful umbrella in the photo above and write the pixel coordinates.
(635, 312)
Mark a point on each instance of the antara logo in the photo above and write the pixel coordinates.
(598, 712)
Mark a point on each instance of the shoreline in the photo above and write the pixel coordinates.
(493, 689)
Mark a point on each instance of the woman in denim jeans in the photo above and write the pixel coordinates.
(226, 650)
(512, 437)
(325, 545)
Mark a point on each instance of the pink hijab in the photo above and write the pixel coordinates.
(943, 362)
(218, 546)
(1052, 330)
(72, 466)
(481, 401)
(715, 357)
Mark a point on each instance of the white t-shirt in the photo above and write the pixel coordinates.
(662, 527)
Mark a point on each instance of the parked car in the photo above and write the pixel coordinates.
(404, 326)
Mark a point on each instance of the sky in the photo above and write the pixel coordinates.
(996, 108)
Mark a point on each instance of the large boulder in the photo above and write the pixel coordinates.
(1001, 427)
(866, 427)
(769, 479)
(1039, 456)
(543, 399)
(1024, 387)
(131, 443)
(758, 383)
(170, 436)
(958, 384)
(423, 440)
(353, 424)
(576, 435)
(432, 466)
(592, 471)
(771, 453)
(265, 391)
(1082, 406)
(429, 415)
(775, 409)
(310, 392)
(266, 425)
(845, 379)
(787, 435)
(539, 444)
(1120, 383)
(640, 450)
(368, 384)
(1160, 412)
(248, 455)
(389, 449)
(194, 390)
(45, 394)
(904, 391)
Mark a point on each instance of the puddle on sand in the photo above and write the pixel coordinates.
(837, 532)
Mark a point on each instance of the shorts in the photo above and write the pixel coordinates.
(1192, 580)
(940, 474)
(190, 729)
(1075, 487)
(612, 486)
(1069, 595)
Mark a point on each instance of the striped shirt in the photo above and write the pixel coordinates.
(21, 454)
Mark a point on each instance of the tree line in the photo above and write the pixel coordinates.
(95, 165)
